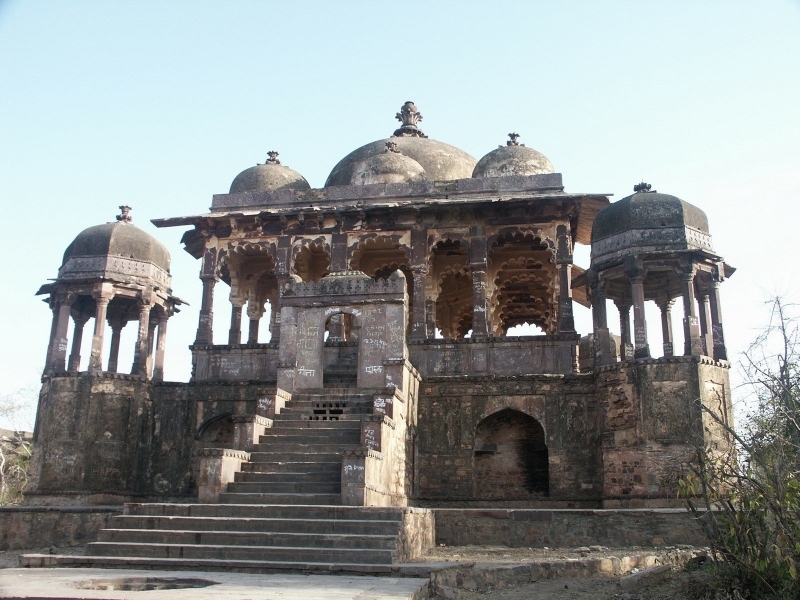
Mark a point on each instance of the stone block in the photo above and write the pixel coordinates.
(218, 466)
(638, 581)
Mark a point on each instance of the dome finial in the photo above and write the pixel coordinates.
(124, 214)
(273, 158)
(513, 137)
(409, 116)
(642, 187)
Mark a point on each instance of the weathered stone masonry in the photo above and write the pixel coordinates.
(377, 308)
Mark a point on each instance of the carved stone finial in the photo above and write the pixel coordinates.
(392, 147)
(409, 116)
(273, 158)
(124, 214)
(513, 137)
(642, 187)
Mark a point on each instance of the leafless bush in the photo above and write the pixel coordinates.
(751, 491)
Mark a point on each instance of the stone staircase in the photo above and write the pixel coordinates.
(282, 512)
(299, 459)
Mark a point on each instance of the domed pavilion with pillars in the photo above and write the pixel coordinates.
(652, 246)
(117, 273)
(388, 372)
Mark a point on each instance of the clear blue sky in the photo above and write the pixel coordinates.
(160, 104)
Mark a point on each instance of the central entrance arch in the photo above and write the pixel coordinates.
(511, 457)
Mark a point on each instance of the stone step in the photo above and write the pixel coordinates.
(278, 456)
(247, 566)
(350, 409)
(278, 525)
(227, 552)
(280, 498)
(308, 447)
(346, 436)
(285, 487)
(302, 436)
(287, 477)
(334, 392)
(175, 537)
(292, 467)
(305, 416)
(264, 510)
(321, 426)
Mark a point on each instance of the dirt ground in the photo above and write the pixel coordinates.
(682, 585)
(679, 587)
(503, 554)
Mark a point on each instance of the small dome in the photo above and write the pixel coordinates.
(440, 161)
(388, 167)
(513, 159)
(121, 239)
(269, 177)
(647, 210)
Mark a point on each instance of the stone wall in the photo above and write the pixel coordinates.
(451, 409)
(522, 528)
(114, 439)
(29, 527)
(653, 425)
(91, 441)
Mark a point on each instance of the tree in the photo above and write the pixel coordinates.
(748, 495)
(15, 445)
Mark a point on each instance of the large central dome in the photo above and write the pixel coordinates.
(439, 160)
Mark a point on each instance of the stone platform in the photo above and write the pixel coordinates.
(65, 584)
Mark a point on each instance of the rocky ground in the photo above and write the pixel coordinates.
(680, 586)
(691, 583)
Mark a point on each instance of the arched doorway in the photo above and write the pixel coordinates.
(511, 459)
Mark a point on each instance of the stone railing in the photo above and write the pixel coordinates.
(369, 194)
(239, 362)
(496, 355)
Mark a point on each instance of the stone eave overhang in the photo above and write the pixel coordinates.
(589, 206)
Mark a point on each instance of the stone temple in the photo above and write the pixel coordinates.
(388, 379)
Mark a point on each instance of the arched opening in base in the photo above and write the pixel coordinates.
(511, 458)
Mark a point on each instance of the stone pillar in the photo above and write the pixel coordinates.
(666, 327)
(338, 252)
(140, 352)
(705, 324)
(478, 264)
(430, 316)
(693, 343)
(96, 357)
(625, 346)
(205, 328)
(335, 329)
(161, 344)
(48, 359)
(282, 276)
(255, 310)
(151, 335)
(235, 332)
(641, 347)
(77, 338)
(603, 354)
(720, 353)
(59, 346)
(419, 328)
(566, 320)
(419, 270)
(252, 330)
(116, 332)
